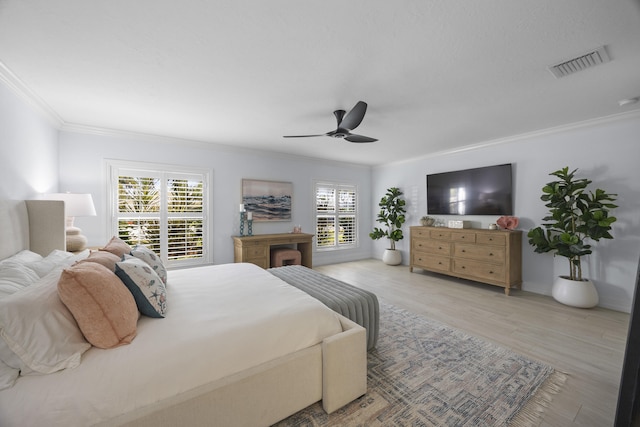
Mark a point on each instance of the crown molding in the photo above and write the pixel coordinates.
(204, 145)
(627, 115)
(31, 98)
(27, 95)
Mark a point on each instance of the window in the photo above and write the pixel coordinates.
(163, 208)
(336, 216)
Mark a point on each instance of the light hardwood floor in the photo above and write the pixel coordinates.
(586, 344)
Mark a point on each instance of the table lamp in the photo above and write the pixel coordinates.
(75, 205)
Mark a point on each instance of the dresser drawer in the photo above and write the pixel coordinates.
(495, 254)
(431, 247)
(255, 251)
(491, 239)
(488, 256)
(431, 262)
(463, 236)
(419, 232)
(440, 234)
(480, 270)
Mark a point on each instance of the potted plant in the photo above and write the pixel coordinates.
(576, 216)
(427, 221)
(391, 215)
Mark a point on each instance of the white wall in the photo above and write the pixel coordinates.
(28, 149)
(82, 164)
(608, 152)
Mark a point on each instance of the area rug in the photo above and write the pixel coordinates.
(423, 373)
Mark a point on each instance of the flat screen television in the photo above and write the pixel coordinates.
(479, 191)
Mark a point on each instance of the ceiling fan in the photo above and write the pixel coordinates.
(346, 123)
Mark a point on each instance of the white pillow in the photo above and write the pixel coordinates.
(56, 258)
(8, 376)
(15, 276)
(10, 366)
(22, 257)
(39, 330)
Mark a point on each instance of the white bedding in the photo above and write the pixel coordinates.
(220, 320)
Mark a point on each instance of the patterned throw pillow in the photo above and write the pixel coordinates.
(147, 255)
(146, 286)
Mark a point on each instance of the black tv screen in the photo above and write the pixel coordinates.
(479, 191)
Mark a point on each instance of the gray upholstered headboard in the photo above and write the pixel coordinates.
(37, 225)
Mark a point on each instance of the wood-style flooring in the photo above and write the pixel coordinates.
(586, 344)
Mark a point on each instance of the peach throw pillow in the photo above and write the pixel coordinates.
(103, 257)
(117, 246)
(103, 307)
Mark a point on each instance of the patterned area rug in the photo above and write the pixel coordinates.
(423, 373)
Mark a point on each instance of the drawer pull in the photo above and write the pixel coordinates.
(439, 248)
(490, 272)
(463, 251)
(490, 253)
(439, 262)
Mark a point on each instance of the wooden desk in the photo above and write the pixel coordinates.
(256, 249)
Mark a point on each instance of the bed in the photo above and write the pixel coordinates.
(237, 346)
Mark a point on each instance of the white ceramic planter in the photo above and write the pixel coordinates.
(392, 257)
(574, 293)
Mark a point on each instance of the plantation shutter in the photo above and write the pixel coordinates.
(325, 216)
(347, 216)
(184, 216)
(139, 207)
(336, 216)
(163, 210)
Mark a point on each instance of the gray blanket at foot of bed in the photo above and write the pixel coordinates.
(354, 303)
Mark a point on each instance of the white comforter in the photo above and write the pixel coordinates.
(220, 320)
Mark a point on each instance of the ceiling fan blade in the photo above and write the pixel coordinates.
(359, 138)
(303, 136)
(354, 117)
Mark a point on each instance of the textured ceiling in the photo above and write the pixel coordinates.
(437, 75)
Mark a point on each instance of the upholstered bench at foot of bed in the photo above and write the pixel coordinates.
(354, 303)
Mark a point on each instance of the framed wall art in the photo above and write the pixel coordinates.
(267, 200)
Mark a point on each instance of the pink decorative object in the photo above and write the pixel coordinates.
(507, 222)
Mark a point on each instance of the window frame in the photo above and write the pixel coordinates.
(116, 168)
(337, 186)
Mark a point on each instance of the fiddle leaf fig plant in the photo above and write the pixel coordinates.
(576, 216)
(391, 215)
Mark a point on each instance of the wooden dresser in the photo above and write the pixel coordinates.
(487, 256)
(256, 249)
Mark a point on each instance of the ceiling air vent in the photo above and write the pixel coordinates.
(582, 62)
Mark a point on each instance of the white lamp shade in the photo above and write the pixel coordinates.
(75, 204)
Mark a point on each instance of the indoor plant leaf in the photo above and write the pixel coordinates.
(575, 215)
(391, 216)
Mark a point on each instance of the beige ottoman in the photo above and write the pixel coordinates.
(285, 256)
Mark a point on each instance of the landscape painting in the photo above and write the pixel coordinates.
(267, 200)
